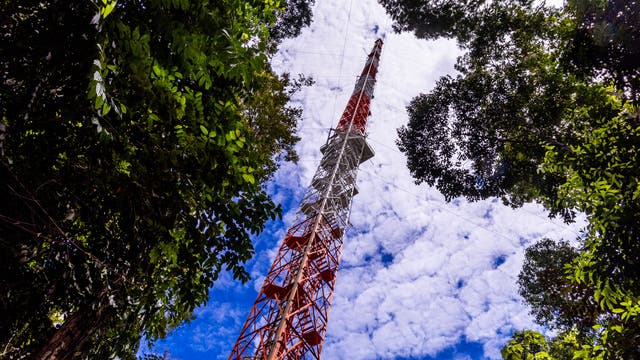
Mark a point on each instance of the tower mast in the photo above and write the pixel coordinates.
(289, 317)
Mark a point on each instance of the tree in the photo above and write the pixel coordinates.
(133, 146)
(509, 69)
(521, 61)
(528, 344)
(555, 300)
(602, 180)
(296, 15)
(597, 38)
(593, 290)
(602, 42)
(544, 108)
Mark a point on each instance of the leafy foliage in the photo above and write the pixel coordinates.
(527, 344)
(430, 20)
(134, 139)
(593, 290)
(458, 137)
(555, 300)
(602, 41)
(296, 15)
(544, 108)
(602, 181)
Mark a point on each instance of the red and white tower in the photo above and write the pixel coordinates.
(289, 317)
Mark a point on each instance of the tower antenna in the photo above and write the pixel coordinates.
(289, 317)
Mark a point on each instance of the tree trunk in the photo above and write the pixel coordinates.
(70, 340)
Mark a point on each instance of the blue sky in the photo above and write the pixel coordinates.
(420, 278)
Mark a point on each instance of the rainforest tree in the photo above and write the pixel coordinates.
(543, 108)
(135, 137)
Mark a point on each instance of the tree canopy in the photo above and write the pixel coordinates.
(556, 301)
(135, 137)
(531, 345)
(544, 108)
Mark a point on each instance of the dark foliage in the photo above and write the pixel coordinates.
(134, 139)
(556, 301)
(544, 108)
(296, 15)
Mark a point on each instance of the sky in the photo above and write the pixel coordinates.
(420, 278)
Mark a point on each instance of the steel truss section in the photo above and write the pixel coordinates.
(289, 317)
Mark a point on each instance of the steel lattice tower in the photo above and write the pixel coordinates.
(289, 317)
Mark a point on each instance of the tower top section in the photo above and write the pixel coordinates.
(354, 117)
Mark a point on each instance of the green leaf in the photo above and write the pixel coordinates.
(105, 109)
(248, 178)
(108, 7)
